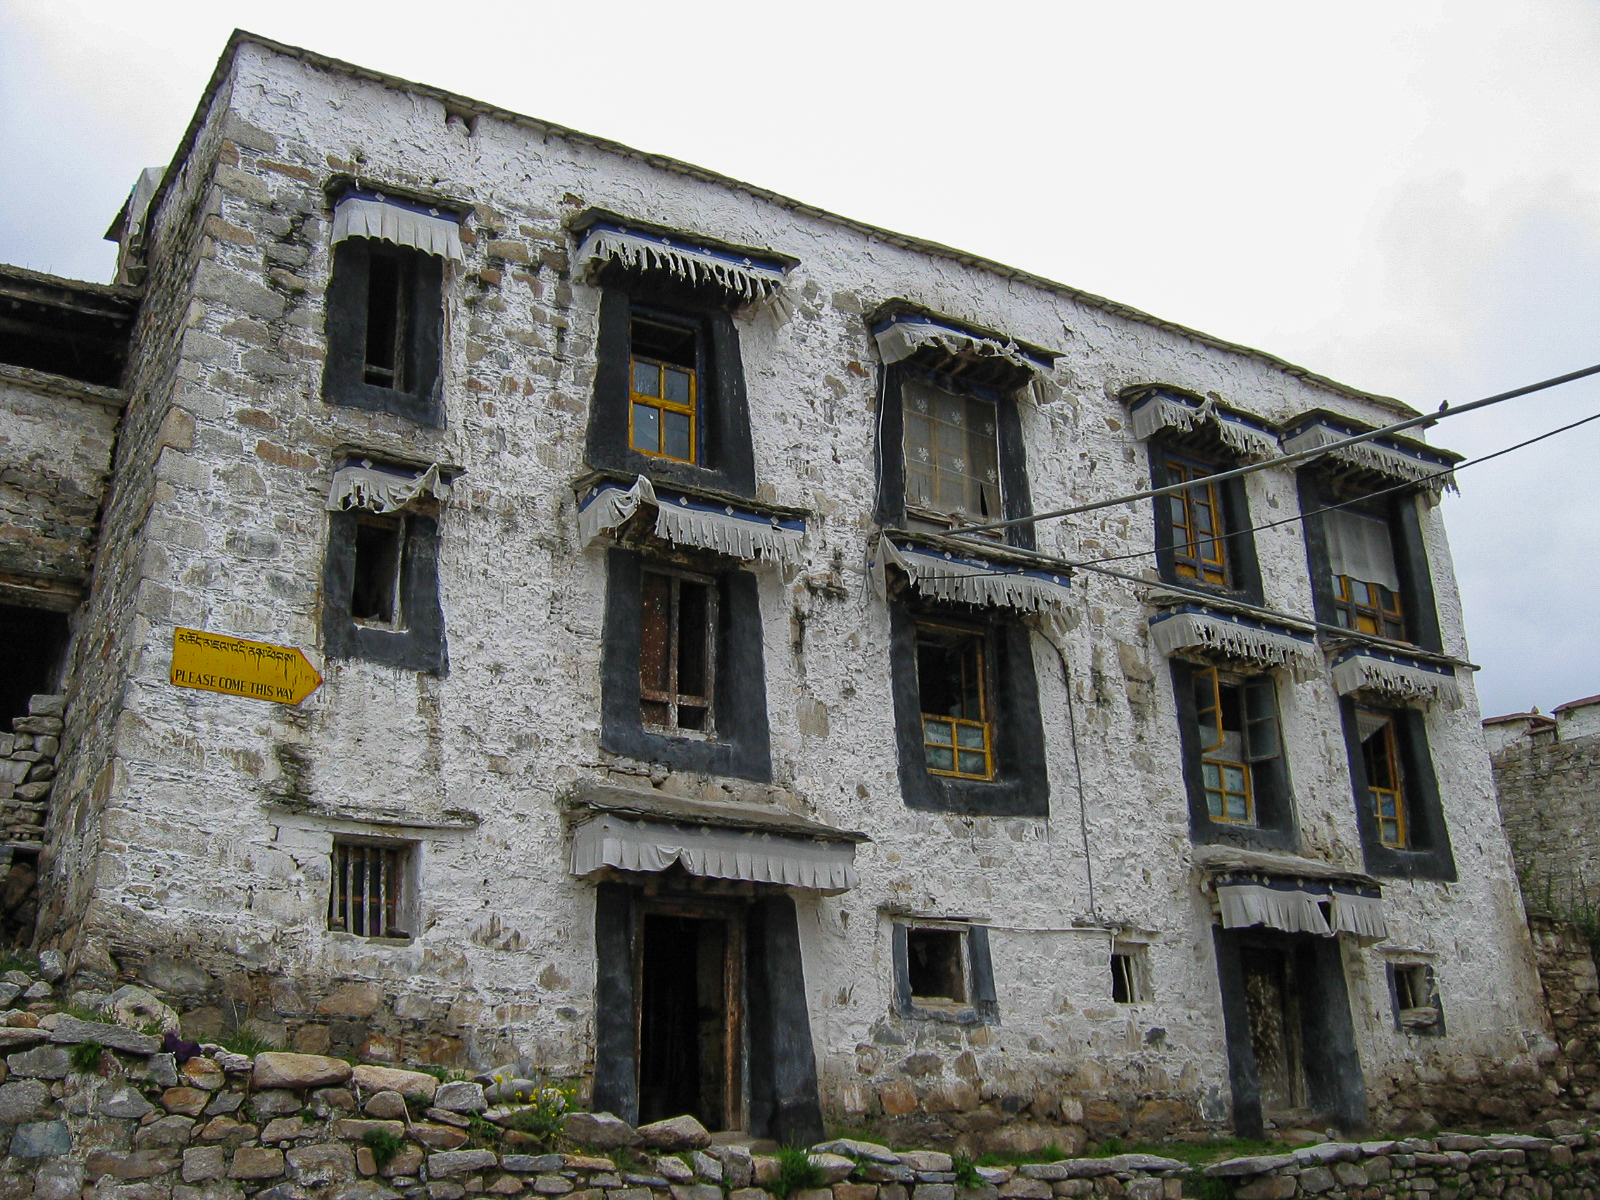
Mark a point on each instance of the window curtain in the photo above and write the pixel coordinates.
(377, 216)
(1360, 546)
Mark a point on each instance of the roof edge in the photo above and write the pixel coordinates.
(241, 37)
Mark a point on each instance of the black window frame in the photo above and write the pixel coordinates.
(420, 645)
(1429, 854)
(741, 745)
(1020, 786)
(1239, 544)
(1015, 498)
(1401, 511)
(345, 324)
(724, 446)
(1430, 985)
(981, 1005)
(1277, 822)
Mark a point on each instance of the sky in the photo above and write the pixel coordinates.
(1403, 195)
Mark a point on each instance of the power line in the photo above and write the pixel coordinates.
(1289, 459)
(1399, 487)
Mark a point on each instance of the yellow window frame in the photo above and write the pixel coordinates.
(1362, 605)
(1392, 831)
(956, 723)
(1188, 557)
(663, 405)
(1209, 679)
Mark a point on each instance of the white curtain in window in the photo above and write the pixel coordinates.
(1360, 546)
(362, 485)
(404, 226)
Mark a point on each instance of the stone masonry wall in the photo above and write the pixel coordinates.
(1572, 998)
(1550, 803)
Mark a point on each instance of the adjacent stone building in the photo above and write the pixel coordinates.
(667, 737)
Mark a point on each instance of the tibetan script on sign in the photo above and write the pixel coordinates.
(216, 662)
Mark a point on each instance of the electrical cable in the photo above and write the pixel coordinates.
(1302, 516)
(1299, 456)
(1077, 767)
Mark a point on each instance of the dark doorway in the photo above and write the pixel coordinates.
(1291, 1042)
(33, 642)
(1272, 1005)
(689, 997)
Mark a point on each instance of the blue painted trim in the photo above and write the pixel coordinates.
(397, 202)
(1348, 431)
(1399, 660)
(1226, 414)
(905, 318)
(1058, 578)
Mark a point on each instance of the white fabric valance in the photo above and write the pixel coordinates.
(1289, 909)
(1380, 454)
(1164, 410)
(377, 489)
(1360, 546)
(1195, 628)
(903, 334)
(741, 276)
(403, 224)
(1395, 677)
(691, 522)
(632, 844)
(945, 575)
(1359, 915)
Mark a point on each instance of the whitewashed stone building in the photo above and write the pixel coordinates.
(669, 740)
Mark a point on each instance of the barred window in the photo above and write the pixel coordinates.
(369, 896)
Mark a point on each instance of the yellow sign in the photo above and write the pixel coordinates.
(235, 667)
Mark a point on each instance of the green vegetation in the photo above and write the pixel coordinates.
(14, 961)
(85, 1056)
(966, 1170)
(546, 1104)
(383, 1144)
(795, 1171)
(1021, 1158)
(244, 1042)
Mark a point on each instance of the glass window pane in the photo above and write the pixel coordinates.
(952, 494)
(940, 758)
(919, 488)
(647, 429)
(1236, 809)
(1233, 779)
(675, 430)
(1211, 774)
(1214, 803)
(937, 731)
(678, 387)
(950, 409)
(969, 735)
(647, 379)
(974, 763)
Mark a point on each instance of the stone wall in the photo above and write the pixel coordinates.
(1572, 998)
(1549, 790)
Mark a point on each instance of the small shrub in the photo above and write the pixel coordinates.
(795, 1171)
(245, 1042)
(966, 1170)
(546, 1105)
(383, 1144)
(1207, 1188)
(85, 1056)
(1112, 1147)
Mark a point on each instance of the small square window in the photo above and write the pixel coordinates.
(677, 651)
(1129, 975)
(1416, 999)
(936, 966)
(375, 588)
(370, 894)
(953, 688)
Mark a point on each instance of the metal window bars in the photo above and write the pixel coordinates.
(368, 887)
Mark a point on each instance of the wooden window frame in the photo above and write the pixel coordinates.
(984, 724)
(1130, 974)
(1399, 820)
(937, 518)
(395, 523)
(392, 898)
(661, 403)
(963, 965)
(400, 347)
(671, 697)
(1188, 559)
(1379, 613)
(1211, 680)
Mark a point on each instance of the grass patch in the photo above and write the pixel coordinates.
(81, 1013)
(85, 1056)
(383, 1144)
(244, 1042)
(1021, 1158)
(795, 1171)
(14, 961)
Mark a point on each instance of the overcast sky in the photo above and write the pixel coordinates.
(1402, 195)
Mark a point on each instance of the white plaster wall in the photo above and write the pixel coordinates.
(236, 543)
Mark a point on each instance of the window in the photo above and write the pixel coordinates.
(677, 651)
(1398, 808)
(1129, 975)
(967, 725)
(369, 893)
(683, 672)
(1198, 552)
(943, 972)
(375, 590)
(1201, 532)
(669, 390)
(380, 590)
(1380, 760)
(952, 685)
(1234, 767)
(384, 323)
(1416, 999)
(952, 456)
(664, 370)
(1238, 730)
(1366, 582)
(935, 966)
